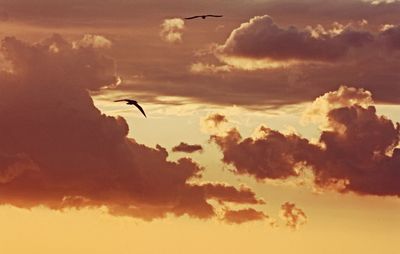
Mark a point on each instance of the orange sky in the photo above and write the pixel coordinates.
(271, 129)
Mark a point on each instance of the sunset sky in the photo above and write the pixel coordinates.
(273, 129)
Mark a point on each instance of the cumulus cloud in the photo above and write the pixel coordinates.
(58, 150)
(271, 155)
(260, 43)
(276, 83)
(343, 97)
(172, 30)
(186, 148)
(262, 38)
(92, 41)
(243, 216)
(292, 215)
(356, 152)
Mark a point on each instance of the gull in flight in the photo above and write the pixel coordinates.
(135, 103)
(205, 16)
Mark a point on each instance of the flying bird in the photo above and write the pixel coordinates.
(135, 103)
(204, 16)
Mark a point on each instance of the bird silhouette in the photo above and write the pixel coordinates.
(135, 103)
(205, 16)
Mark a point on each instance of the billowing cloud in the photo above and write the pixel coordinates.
(344, 97)
(243, 216)
(93, 41)
(260, 43)
(261, 38)
(186, 148)
(271, 155)
(172, 30)
(362, 56)
(58, 150)
(356, 152)
(360, 148)
(292, 215)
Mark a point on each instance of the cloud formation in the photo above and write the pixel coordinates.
(347, 46)
(172, 30)
(58, 150)
(243, 216)
(262, 38)
(272, 155)
(225, 193)
(186, 148)
(292, 215)
(356, 152)
(213, 123)
(260, 43)
(344, 97)
(92, 41)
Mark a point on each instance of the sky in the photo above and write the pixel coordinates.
(274, 128)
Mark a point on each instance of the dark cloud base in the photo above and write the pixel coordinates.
(58, 150)
(357, 153)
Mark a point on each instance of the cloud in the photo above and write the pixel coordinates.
(343, 97)
(84, 12)
(213, 123)
(243, 216)
(260, 43)
(378, 2)
(271, 155)
(292, 215)
(58, 150)
(360, 148)
(356, 152)
(390, 35)
(261, 38)
(172, 30)
(131, 26)
(225, 193)
(280, 82)
(216, 119)
(186, 148)
(92, 41)
(202, 68)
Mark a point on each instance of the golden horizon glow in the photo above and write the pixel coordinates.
(272, 129)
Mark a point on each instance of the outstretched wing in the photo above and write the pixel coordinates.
(121, 100)
(140, 108)
(214, 16)
(193, 17)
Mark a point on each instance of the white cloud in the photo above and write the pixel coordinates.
(172, 30)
